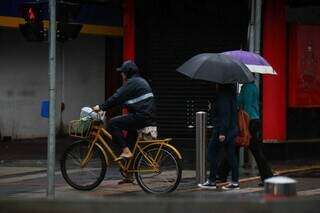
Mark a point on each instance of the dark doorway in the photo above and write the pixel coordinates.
(170, 32)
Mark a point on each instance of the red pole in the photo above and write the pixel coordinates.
(128, 30)
(128, 35)
(274, 98)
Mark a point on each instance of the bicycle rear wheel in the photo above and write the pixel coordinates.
(158, 170)
(90, 175)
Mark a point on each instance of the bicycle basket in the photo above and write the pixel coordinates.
(80, 128)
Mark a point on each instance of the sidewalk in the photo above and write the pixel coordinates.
(23, 162)
(23, 188)
(26, 160)
(18, 181)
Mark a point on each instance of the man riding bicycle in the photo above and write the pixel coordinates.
(136, 94)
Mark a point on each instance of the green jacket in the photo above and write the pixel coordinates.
(248, 100)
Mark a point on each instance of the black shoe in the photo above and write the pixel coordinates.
(261, 184)
(231, 186)
(208, 185)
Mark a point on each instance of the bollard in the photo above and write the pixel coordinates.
(201, 172)
(280, 187)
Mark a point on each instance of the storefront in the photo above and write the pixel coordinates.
(174, 32)
(160, 35)
(290, 100)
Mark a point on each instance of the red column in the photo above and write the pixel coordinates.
(274, 98)
(128, 30)
(128, 35)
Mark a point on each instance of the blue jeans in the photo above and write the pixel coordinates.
(214, 148)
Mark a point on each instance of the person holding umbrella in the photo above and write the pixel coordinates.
(223, 135)
(248, 100)
(220, 69)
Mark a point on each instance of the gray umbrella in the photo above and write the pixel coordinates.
(216, 68)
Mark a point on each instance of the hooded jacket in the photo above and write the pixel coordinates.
(137, 95)
(224, 113)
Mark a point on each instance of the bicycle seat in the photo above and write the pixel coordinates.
(148, 133)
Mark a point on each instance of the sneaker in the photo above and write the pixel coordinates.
(231, 186)
(208, 185)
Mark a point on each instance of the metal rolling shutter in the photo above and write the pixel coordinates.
(164, 46)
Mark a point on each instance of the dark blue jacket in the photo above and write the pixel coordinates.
(224, 113)
(129, 93)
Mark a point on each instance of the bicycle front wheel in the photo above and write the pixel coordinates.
(85, 177)
(158, 170)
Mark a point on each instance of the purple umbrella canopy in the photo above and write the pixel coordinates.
(253, 61)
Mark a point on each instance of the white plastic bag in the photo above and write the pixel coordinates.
(87, 113)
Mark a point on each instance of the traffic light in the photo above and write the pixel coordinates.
(67, 32)
(34, 13)
(66, 14)
(67, 11)
(33, 29)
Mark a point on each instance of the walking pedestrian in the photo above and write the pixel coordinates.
(225, 130)
(248, 100)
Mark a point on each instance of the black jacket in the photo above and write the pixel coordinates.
(128, 94)
(224, 114)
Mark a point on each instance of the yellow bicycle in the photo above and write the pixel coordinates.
(157, 165)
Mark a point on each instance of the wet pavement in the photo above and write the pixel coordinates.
(25, 177)
(23, 189)
(28, 178)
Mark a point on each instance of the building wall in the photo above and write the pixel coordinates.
(24, 81)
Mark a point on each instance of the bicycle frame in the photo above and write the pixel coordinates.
(97, 139)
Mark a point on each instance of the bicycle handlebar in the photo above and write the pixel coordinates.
(101, 114)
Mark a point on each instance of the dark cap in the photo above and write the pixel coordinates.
(127, 67)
